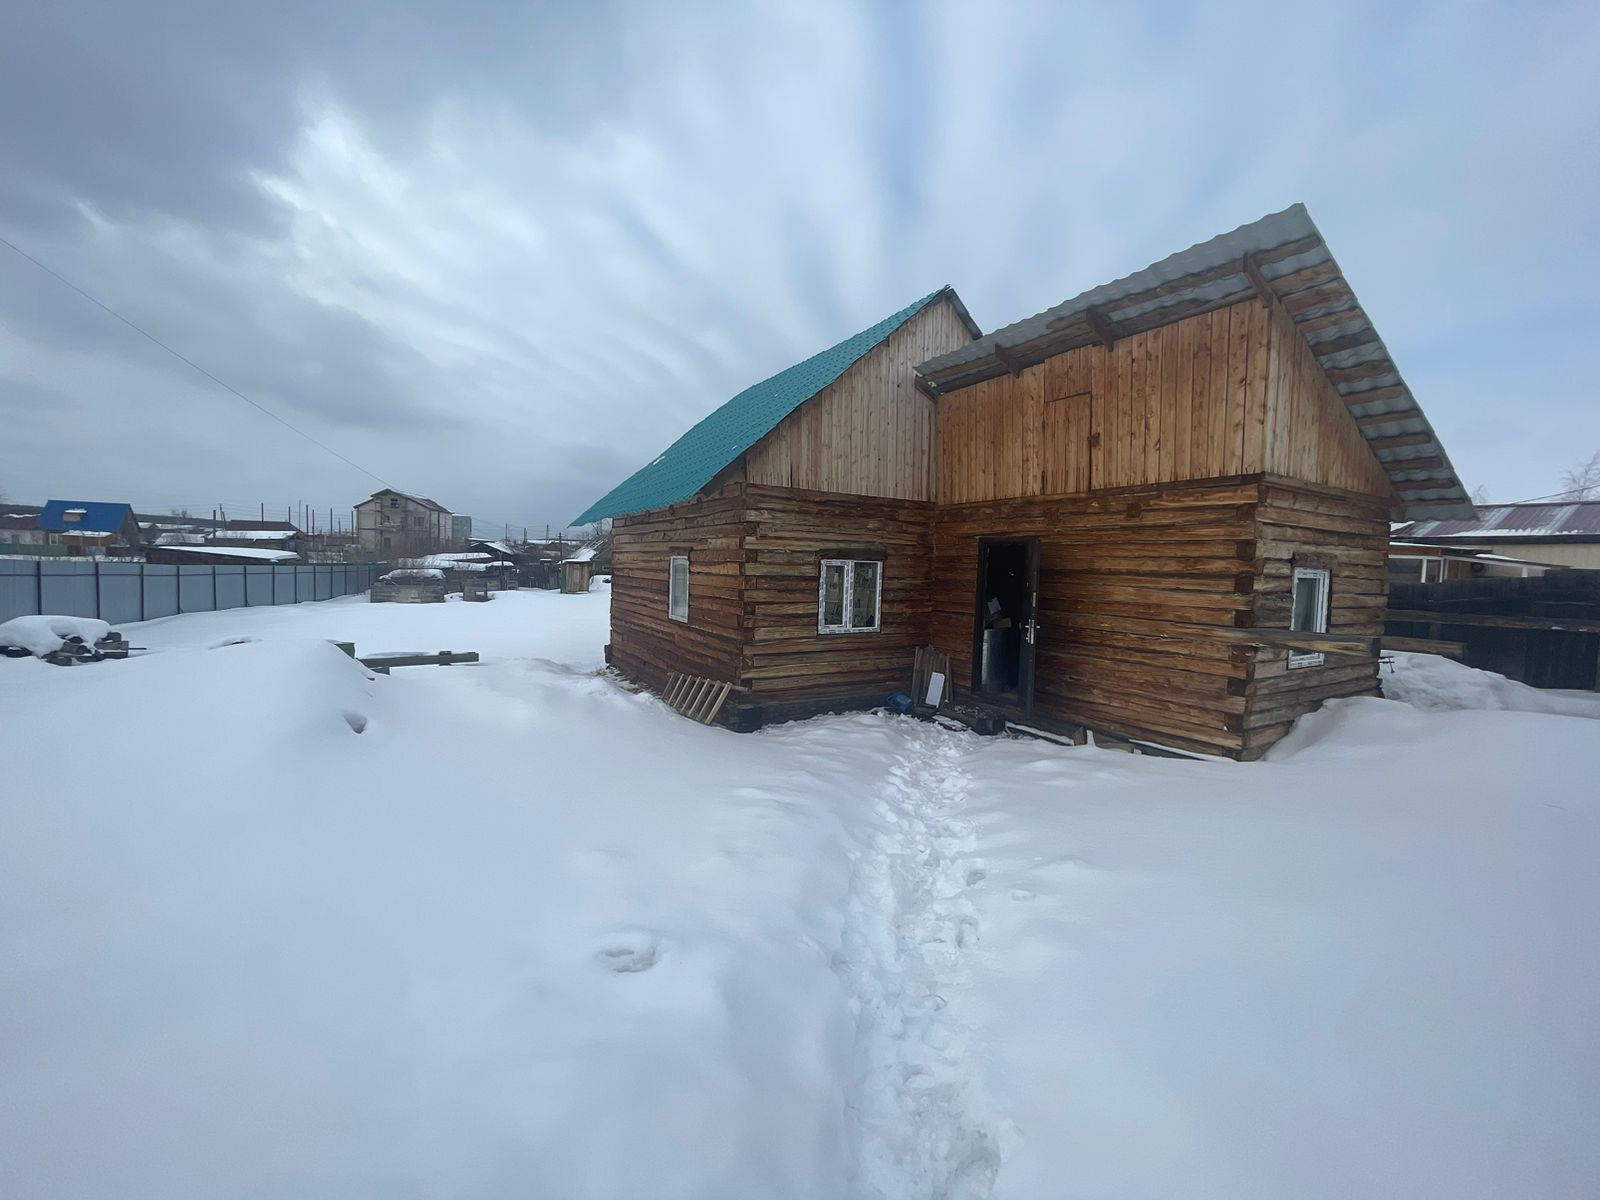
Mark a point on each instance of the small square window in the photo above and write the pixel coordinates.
(678, 588)
(849, 596)
(1308, 611)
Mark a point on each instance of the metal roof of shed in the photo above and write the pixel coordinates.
(1282, 258)
(1571, 520)
(696, 458)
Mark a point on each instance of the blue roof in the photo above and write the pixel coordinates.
(107, 518)
(694, 460)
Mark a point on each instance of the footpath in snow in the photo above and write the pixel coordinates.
(528, 932)
(910, 936)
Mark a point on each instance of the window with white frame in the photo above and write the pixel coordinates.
(678, 588)
(1308, 611)
(849, 595)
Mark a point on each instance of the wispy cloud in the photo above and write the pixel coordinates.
(506, 264)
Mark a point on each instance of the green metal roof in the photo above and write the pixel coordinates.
(694, 460)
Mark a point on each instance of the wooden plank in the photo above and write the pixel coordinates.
(1253, 454)
(1492, 620)
(1425, 646)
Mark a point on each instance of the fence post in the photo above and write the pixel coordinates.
(142, 567)
(213, 587)
(97, 589)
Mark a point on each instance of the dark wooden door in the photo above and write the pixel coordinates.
(1005, 625)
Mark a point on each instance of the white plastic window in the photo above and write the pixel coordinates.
(678, 588)
(1308, 611)
(849, 596)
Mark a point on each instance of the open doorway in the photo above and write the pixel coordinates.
(1008, 592)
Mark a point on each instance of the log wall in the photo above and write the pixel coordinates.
(788, 667)
(646, 643)
(870, 433)
(1129, 582)
(1347, 534)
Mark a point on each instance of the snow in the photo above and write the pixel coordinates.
(256, 535)
(1432, 682)
(582, 554)
(239, 552)
(530, 933)
(42, 634)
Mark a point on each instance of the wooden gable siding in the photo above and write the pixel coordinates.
(1347, 534)
(1231, 392)
(1311, 435)
(1130, 582)
(789, 668)
(1184, 401)
(646, 643)
(871, 433)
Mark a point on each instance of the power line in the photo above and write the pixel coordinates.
(1570, 493)
(185, 359)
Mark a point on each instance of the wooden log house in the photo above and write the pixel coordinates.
(1159, 510)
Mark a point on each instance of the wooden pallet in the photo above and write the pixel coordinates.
(929, 661)
(695, 697)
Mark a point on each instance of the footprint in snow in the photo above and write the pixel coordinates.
(629, 953)
(1023, 894)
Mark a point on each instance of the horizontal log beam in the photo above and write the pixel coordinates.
(1492, 621)
(1425, 646)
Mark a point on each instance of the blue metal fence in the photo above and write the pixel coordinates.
(121, 592)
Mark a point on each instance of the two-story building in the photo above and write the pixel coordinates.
(392, 524)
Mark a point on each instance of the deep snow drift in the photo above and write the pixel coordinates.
(528, 933)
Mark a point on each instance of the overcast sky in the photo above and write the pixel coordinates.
(503, 254)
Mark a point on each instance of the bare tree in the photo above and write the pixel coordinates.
(1582, 481)
(1480, 496)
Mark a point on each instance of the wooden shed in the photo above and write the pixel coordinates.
(1158, 510)
(576, 571)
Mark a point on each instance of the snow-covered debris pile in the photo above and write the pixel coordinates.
(43, 635)
(1438, 684)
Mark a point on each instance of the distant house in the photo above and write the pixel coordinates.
(260, 535)
(391, 524)
(1159, 509)
(20, 533)
(1418, 562)
(90, 527)
(1557, 535)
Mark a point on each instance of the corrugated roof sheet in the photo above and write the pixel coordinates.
(1287, 253)
(694, 460)
(95, 515)
(1574, 519)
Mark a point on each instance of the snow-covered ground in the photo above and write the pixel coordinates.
(528, 933)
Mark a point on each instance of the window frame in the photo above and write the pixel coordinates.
(1322, 579)
(672, 561)
(848, 599)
